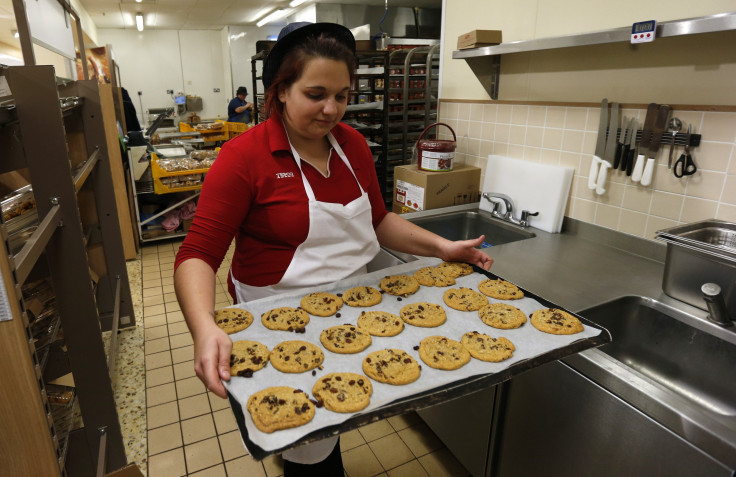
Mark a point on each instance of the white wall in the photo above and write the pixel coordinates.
(154, 61)
(242, 41)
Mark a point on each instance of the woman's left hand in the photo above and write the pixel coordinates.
(466, 251)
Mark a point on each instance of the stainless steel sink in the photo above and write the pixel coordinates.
(665, 345)
(467, 224)
(674, 366)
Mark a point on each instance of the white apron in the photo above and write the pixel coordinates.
(340, 242)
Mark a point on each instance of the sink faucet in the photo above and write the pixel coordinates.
(717, 311)
(504, 202)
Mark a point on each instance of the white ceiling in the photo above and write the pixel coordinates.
(185, 14)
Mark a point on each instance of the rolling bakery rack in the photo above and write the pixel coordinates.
(52, 131)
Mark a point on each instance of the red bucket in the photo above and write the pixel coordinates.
(436, 155)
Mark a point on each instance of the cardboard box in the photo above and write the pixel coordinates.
(478, 38)
(422, 190)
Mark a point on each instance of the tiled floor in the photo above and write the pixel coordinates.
(191, 432)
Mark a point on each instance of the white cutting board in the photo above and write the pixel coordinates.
(532, 186)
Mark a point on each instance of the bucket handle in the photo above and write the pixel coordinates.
(454, 138)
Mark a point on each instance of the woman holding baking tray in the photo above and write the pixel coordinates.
(300, 195)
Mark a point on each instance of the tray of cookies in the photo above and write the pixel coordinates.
(313, 363)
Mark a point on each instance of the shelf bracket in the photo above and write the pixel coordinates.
(27, 257)
(488, 72)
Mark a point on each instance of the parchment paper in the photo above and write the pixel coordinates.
(529, 343)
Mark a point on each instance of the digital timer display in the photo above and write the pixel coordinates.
(642, 32)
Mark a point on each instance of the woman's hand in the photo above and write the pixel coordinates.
(466, 251)
(212, 348)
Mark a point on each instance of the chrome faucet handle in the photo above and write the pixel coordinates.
(497, 199)
(524, 220)
(717, 311)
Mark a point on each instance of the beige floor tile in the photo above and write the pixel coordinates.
(153, 300)
(391, 451)
(172, 306)
(184, 370)
(420, 439)
(216, 471)
(225, 421)
(197, 429)
(442, 463)
(156, 332)
(167, 288)
(167, 280)
(164, 438)
(217, 403)
(179, 355)
(245, 466)
(360, 462)
(167, 269)
(376, 430)
(157, 345)
(162, 415)
(174, 317)
(150, 273)
(232, 445)
(154, 282)
(167, 464)
(168, 258)
(350, 440)
(402, 421)
(274, 465)
(203, 454)
(159, 376)
(153, 291)
(170, 298)
(160, 394)
(156, 360)
(194, 406)
(153, 310)
(179, 341)
(155, 320)
(222, 304)
(178, 328)
(189, 387)
(411, 469)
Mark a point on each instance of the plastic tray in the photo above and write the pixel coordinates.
(158, 173)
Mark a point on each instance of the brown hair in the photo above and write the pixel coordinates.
(296, 59)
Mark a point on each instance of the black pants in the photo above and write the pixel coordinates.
(330, 467)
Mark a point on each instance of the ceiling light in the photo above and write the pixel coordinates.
(139, 21)
(15, 33)
(274, 15)
(296, 3)
(138, 1)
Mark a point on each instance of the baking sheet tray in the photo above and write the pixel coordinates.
(533, 348)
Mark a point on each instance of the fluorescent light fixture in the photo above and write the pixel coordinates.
(296, 3)
(274, 15)
(138, 1)
(139, 21)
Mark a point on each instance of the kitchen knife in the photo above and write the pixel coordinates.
(645, 138)
(610, 152)
(659, 127)
(620, 145)
(600, 145)
(631, 156)
(627, 143)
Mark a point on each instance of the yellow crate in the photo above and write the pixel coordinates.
(158, 173)
(218, 135)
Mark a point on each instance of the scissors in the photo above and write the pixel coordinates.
(685, 165)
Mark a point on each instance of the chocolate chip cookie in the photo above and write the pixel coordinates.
(345, 339)
(440, 352)
(362, 296)
(380, 323)
(280, 407)
(232, 320)
(433, 277)
(399, 285)
(486, 348)
(391, 366)
(343, 392)
(321, 303)
(426, 315)
(285, 319)
(296, 356)
(456, 269)
(500, 289)
(501, 315)
(247, 357)
(464, 299)
(556, 322)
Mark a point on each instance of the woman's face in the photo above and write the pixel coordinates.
(315, 103)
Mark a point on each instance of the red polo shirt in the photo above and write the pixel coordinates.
(254, 192)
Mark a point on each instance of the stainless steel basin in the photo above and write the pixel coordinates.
(693, 359)
(467, 224)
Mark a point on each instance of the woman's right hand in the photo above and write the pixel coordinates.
(212, 348)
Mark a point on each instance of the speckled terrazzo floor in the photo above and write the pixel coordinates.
(172, 427)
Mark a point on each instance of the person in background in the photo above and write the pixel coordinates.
(131, 118)
(239, 110)
(300, 195)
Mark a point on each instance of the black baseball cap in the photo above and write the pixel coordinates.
(241, 90)
(292, 34)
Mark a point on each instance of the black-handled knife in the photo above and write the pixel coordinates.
(625, 153)
(631, 156)
(619, 146)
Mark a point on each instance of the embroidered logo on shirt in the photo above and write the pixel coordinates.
(283, 175)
